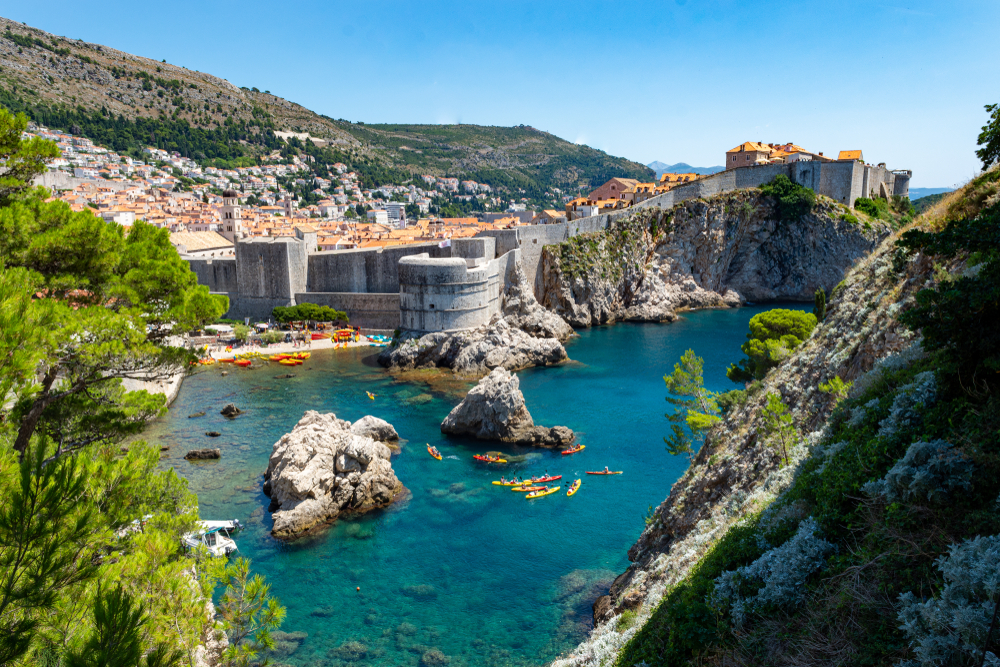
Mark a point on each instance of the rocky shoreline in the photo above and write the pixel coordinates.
(326, 467)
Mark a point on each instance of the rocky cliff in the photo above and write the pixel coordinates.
(715, 252)
(737, 473)
(327, 466)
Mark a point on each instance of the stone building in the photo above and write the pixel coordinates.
(232, 216)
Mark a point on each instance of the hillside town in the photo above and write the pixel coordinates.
(207, 208)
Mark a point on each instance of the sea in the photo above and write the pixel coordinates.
(460, 571)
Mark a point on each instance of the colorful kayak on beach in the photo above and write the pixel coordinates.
(602, 472)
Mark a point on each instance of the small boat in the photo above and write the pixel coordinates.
(529, 489)
(289, 362)
(371, 395)
(574, 450)
(601, 472)
(242, 362)
(227, 360)
(488, 459)
(214, 536)
(509, 483)
(277, 357)
(542, 480)
(433, 451)
(301, 355)
(544, 492)
(574, 487)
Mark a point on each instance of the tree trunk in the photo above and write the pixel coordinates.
(30, 421)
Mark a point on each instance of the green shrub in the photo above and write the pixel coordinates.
(819, 304)
(625, 621)
(773, 335)
(307, 312)
(730, 399)
(793, 200)
(873, 208)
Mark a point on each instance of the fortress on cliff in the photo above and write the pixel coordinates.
(426, 287)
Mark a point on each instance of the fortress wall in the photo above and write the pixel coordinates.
(367, 271)
(219, 275)
(842, 181)
(368, 311)
(272, 268)
(444, 294)
(61, 180)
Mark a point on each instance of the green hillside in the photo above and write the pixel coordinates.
(127, 102)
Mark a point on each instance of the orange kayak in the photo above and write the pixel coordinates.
(601, 472)
(574, 450)
(434, 452)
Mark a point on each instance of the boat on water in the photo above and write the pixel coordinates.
(512, 483)
(488, 459)
(529, 489)
(542, 480)
(433, 451)
(243, 362)
(214, 536)
(543, 492)
(605, 472)
(574, 487)
(573, 450)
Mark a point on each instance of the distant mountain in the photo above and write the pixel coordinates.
(917, 193)
(127, 102)
(681, 168)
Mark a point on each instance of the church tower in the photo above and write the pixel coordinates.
(232, 222)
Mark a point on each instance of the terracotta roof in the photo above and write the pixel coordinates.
(748, 146)
(849, 155)
(199, 241)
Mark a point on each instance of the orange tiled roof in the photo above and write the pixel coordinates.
(849, 155)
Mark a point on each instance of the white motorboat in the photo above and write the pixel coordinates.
(214, 536)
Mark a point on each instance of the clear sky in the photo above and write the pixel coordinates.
(671, 80)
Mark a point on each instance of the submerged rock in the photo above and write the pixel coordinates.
(324, 468)
(203, 454)
(230, 411)
(284, 377)
(212, 434)
(494, 410)
(197, 414)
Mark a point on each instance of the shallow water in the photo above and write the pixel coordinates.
(461, 566)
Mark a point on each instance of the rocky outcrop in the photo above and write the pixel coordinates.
(203, 454)
(475, 352)
(231, 411)
(326, 467)
(494, 410)
(524, 334)
(709, 253)
(739, 473)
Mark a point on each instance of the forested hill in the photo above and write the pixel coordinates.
(127, 102)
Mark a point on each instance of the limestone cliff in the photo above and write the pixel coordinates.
(715, 252)
(737, 474)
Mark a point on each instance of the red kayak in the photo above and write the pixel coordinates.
(573, 450)
(601, 472)
(542, 480)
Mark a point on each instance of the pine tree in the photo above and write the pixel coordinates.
(694, 406)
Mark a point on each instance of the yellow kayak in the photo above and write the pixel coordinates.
(509, 483)
(574, 487)
(539, 494)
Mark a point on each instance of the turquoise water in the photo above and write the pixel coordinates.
(461, 566)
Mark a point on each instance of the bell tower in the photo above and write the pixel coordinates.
(232, 221)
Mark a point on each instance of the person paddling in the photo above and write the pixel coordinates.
(606, 469)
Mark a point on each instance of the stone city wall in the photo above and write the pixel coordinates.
(366, 271)
(366, 310)
(271, 268)
(219, 275)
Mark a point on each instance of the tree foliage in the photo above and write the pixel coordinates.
(20, 159)
(773, 335)
(248, 611)
(792, 200)
(819, 304)
(989, 138)
(307, 312)
(695, 408)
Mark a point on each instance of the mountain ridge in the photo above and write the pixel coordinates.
(132, 101)
(661, 168)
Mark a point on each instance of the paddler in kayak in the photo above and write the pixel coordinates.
(606, 470)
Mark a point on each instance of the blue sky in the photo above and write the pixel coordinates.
(673, 80)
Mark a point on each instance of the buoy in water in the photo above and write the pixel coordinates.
(359, 588)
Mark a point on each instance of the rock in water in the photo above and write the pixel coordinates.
(324, 468)
(203, 454)
(231, 411)
(475, 352)
(197, 414)
(494, 410)
(212, 434)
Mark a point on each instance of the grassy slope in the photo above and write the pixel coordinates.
(850, 607)
(57, 72)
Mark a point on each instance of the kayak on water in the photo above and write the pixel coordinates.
(574, 450)
(542, 480)
(433, 451)
(605, 472)
(488, 459)
(529, 489)
(511, 483)
(544, 492)
(573, 488)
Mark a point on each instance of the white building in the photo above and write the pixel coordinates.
(378, 217)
